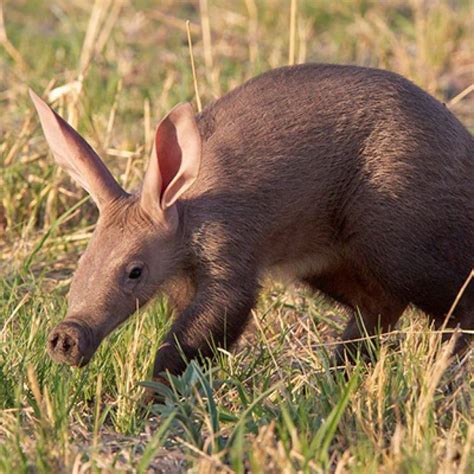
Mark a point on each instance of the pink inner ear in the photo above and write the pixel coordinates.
(169, 156)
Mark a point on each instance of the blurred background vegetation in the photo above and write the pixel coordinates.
(113, 68)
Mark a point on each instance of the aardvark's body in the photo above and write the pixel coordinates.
(352, 180)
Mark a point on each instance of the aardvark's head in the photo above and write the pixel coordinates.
(135, 247)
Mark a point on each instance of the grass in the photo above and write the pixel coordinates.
(114, 67)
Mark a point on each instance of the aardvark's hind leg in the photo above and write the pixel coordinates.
(462, 318)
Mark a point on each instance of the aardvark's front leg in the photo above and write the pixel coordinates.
(216, 317)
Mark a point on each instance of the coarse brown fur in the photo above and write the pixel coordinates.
(352, 180)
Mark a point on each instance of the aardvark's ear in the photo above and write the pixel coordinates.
(76, 156)
(175, 161)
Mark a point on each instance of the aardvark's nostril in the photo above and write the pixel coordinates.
(53, 341)
(67, 343)
(62, 342)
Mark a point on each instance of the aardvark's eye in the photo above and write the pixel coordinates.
(135, 273)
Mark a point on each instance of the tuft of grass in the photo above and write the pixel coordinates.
(113, 68)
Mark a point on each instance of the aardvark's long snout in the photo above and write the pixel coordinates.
(72, 342)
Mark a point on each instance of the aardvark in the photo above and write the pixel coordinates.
(349, 179)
